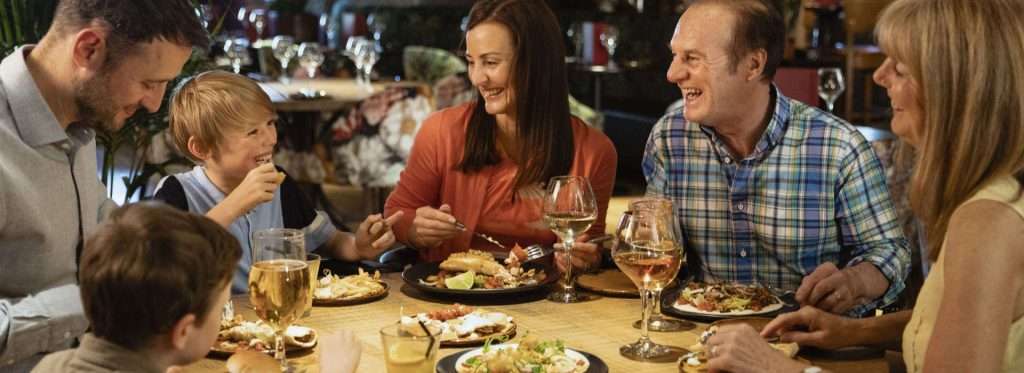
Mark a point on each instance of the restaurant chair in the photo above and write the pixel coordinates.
(860, 18)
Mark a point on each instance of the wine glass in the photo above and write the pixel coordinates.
(284, 51)
(646, 251)
(353, 50)
(610, 41)
(258, 19)
(569, 210)
(830, 85)
(205, 14)
(663, 208)
(377, 25)
(369, 55)
(310, 58)
(279, 282)
(236, 50)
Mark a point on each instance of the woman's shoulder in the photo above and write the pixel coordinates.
(449, 121)
(590, 138)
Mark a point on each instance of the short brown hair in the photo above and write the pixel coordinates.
(203, 106)
(150, 265)
(133, 22)
(759, 25)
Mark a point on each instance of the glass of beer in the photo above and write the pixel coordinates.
(409, 349)
(279, 282)
(646, 251)
(313, 260)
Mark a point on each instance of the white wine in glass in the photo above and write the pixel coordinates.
(569, 210)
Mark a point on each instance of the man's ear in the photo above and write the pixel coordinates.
(754, 64)
(182, 330)
(90, 47)
(199, 150)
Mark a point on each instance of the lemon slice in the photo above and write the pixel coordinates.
(462, 282)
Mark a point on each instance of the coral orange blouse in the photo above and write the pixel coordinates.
(483, 200)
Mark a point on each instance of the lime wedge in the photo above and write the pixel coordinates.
(462, 282)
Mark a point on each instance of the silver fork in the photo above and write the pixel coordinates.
(534, 252)
(462, 227)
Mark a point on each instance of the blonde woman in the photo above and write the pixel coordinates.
(965, 118)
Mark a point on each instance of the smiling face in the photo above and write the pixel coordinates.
(701, 66)
(108, 97)
(489, 56)
(243, 149)
(903, 90)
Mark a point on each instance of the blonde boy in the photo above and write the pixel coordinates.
(226, 124)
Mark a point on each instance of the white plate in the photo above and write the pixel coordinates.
(479, 351)
(691, 309)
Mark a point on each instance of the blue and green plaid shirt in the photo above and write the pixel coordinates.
(813, 191)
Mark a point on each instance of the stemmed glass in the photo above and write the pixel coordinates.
(377, 27)
(236, 50)
(662, 207)
(310, 58)
(830, 85)
(367, 52)
(258, 19)
(610, 41)
(284, 51)
(569, 210)
(279, 282)
(646, 251)
(353, 50)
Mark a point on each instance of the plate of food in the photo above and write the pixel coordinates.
(709, 302)
(697, 360)
(462, 326)
(478, 273)
(334, 290)
(238, 334)
(529, 355)
(610, 282)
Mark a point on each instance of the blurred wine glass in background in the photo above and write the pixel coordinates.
(830, 85)
(284, 50)
(237, 51)
(610, 41)
(258, 19)
(311, 55)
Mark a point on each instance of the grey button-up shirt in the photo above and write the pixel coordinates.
(48, 189)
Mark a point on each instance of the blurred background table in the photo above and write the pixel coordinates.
(598, 327)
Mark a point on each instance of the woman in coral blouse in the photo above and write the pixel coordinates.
(485, 164)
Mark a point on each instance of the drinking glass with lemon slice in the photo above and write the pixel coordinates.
(409, 351)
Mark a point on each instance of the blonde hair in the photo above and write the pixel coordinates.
(211, 102)
(972, 95)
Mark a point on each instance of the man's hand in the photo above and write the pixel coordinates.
(585, 256)
(374, 234)
(837, 291)
(432, 226)
(810, 326)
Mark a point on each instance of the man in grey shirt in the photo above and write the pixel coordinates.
(100, 61)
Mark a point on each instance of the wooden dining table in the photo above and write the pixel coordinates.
(599, 327)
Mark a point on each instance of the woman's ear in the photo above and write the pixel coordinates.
(199, 150)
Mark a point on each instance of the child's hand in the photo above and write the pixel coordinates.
(340, 352)
(374, 234)
(257, 188)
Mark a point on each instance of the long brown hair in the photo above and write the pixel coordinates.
(973, 98)
(540, 90)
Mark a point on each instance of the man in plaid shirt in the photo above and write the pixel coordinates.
(767, 189)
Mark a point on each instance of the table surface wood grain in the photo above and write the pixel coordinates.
(598, 327)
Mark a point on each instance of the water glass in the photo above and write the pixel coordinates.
(313, 261)
(409, 352)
